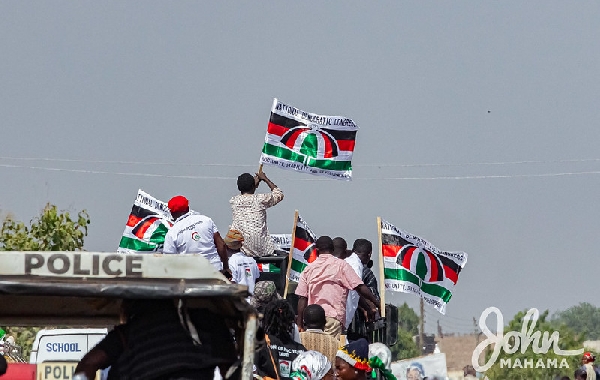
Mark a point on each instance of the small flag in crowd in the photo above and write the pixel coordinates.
(310, 143)
(413, 265)
(147, 225)
(271, 268)
(303, 249)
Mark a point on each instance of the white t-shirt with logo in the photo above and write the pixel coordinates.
(243, 270)
(193, 233)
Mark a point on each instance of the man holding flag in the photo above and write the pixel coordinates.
(326, 282)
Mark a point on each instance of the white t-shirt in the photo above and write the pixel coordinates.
(193, 233)
(353, 296)
(244, 270)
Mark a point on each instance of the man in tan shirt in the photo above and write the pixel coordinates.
(313, 337)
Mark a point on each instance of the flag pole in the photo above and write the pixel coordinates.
(291, 255)
(381, 270)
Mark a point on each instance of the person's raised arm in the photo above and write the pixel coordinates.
(263, 177)
(302, 303)
(92, 361)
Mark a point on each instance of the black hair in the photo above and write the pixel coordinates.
(279, 320)
(314, 316)
(245, 183)
(339, 247)
(580, 374)
(362, 246)
(324, 243)
(3, 365)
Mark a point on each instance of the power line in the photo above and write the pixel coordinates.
(138, 174)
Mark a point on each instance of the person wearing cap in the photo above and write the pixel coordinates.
(194, 233)
(244, 269)
(249, 213)
(587, 361)
(326, 282)
(352, 362)
(415, 371)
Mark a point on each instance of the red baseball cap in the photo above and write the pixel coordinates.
(178, 203)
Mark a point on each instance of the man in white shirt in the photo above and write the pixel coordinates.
(243, 268)
(194, 233)
(353, 296)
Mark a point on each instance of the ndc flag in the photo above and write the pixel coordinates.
(413, 265)
(147, 225)
(310, 143)
(304, 251)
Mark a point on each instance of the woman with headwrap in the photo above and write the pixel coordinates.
(380, 359)
(275, 358)
(311, 365)
(352, 362)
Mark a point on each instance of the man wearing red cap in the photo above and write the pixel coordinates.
(587, 362)
(194, 233)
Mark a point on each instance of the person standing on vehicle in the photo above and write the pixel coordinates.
(249, 213)
(244, 269)
(326, 282)
(194, 233)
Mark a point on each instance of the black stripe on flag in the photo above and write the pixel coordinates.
(141, 212)
(301, 233)
(284, 121)
(341, 135)
(448, 262)
(388, 239)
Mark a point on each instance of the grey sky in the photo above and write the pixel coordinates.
(191, 83)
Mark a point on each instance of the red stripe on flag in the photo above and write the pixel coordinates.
(313, 255)
(328, 148)
(407, 257)
(133, 220)
(275, 129)
(144, 227)
(434, 266)
(450, 274)
(292, 140)
(391, 250)
(347, 145)
(301, 244)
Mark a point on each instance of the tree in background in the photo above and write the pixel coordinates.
(408, 327)
(568, 341)
(583, 319)
(52, 230)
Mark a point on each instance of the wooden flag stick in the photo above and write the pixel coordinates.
(381, 270)
(260, 168)
(291, 255)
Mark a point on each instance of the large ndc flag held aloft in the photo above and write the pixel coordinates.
(413, 265)
(147, 225)
(310, 143)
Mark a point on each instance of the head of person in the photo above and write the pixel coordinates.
(233, 240)
(339, 247)
(588, 357)
(265, 292)
(352, 362)
(382, 352)
(324, 245)
(415, 371)
(311, 365)
(246, 183)
(469, 370)
(314, 317)
(363, 249)
(3, 365)
(580, 374)
(178, 205)
(279, 320)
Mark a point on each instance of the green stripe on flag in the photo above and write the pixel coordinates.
(298, 266)
(136, 244)
(421, 268)
(287, 154)
(158, 236)
(431, 289)
(310, 145)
